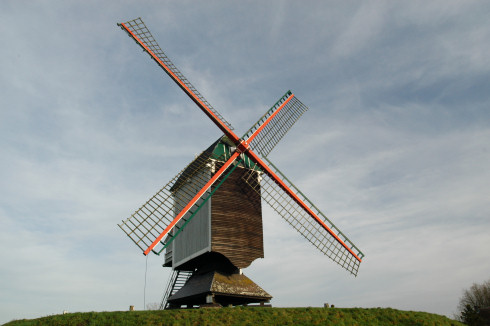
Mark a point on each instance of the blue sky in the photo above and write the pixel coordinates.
(394, 149)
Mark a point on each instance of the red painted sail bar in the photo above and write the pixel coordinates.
(249, 140)
(193, 201)
(227, 131)
(279, 182)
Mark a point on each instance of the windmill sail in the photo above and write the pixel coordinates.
(280, 124)
(138, 31)
(283, 195)
(334, 245)
(150, 221)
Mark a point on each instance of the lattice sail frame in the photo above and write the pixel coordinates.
(301, 220)
(262, 137)
(138, 28)
(151, 219)
(273, 132)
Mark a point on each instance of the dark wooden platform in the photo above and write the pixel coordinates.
(214, 288)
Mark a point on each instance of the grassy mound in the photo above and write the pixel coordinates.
(246, 316)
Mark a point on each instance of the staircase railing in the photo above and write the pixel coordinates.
(176, 281)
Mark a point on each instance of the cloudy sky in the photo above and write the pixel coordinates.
(395, 148)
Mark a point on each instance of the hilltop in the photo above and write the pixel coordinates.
(246, 316)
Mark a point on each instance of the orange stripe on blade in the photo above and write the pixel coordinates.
(271, 173)
(193, 202)
(228, 132)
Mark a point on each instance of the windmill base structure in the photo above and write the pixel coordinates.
(225, 236)
(213, 288)
(207, 220)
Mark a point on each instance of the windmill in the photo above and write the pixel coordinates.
(208, 218)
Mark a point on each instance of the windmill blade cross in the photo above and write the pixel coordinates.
(152, 223)
(151, 220)
(262, 137)
(152, 213)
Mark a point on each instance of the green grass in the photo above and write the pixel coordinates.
(246, 316)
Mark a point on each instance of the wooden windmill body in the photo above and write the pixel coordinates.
(223, 238)
(208, 219)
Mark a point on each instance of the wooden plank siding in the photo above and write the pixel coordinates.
(236, 221)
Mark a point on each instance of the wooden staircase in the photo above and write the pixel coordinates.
(175, 283)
